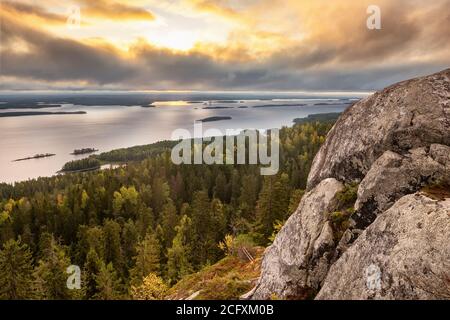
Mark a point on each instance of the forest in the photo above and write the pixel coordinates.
(135, 231)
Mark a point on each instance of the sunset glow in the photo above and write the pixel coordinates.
(218, 44)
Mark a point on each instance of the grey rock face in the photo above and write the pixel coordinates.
(396, 244)
(298, 260)
(408, 115)
(403, 254)
(393, 176)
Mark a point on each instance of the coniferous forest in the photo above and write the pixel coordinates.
(136, 230)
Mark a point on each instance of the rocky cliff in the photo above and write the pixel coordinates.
(375, 222)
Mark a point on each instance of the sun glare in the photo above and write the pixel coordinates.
(179, 40)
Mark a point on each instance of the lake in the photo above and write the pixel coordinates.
(110, 127)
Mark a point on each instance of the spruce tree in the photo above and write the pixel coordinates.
(108, 283)
(147, 259)
(15, 271)
(169, 222)
(50, 274)
(178, 264)
(112, 245)
(90, 272)
(272, 204)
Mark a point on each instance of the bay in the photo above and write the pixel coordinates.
(110, 127)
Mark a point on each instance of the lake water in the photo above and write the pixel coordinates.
(111, 127)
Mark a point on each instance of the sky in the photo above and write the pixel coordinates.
(255, 45)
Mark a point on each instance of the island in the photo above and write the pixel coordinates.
(83, 165)
(77, 152)
(37, 113)
(280, 105)
(323, 117)
(218, 107)
(332, 103)
(211, 119)
(28, 106)
(37, 156)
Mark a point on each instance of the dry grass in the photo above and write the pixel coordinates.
(226, 280)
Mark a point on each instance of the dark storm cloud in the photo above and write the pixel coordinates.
(401, 36)
(53, 59)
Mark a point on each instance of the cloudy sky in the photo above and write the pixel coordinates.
(285, 45)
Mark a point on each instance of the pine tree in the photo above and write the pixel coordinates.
(178, 264)
(146, 260)
(130, 238)
(272, 203)
(220, 187)
(249, 196)
(90, 272)
(160, 195)
(108, 283)
(15, 271)
(202, 233)
(169, 222)
(218, 226)
(50, 274)
(112, 230)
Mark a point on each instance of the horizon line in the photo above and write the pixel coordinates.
(312, 92)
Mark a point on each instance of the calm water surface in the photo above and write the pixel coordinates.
(111, 127)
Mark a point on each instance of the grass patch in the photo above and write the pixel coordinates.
(228, 279)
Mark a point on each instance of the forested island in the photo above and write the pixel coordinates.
(87, 164)
(332, 103)
(84, 151)
(333, 116)
(281, 105)
(151, 223)
(218, 107)
(28, 106)
(37, 156)
(37, 113)
(216, 118)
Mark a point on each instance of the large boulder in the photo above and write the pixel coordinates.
(395, 244)
(403, 254)
(393, 176)
(407, 115)
(295, 265)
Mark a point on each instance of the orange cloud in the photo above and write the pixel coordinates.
(281, 44)
(31, 13)
(114, 10)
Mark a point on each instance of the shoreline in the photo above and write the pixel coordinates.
(311, 117)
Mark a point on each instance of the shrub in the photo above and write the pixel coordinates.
(152, 288)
